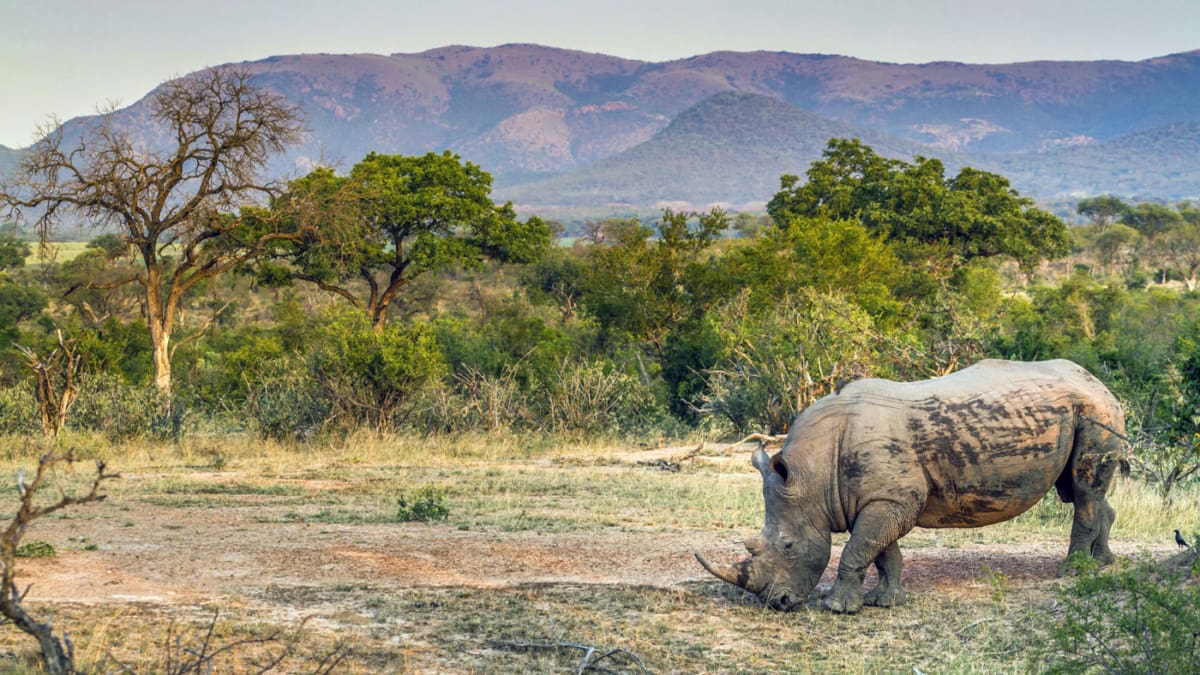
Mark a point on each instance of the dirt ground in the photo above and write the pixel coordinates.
(117, 552)
(179, 558)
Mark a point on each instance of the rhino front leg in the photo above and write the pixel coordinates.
(888, 593)
(875, 530)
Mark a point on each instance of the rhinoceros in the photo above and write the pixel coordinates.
(879, 458)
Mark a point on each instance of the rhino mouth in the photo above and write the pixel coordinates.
(783, 600)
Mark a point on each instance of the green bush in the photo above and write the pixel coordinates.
(426, 504)
(36, 549)
(776, 362)
(285, 404)
(124, 412)
(371, 378)
(1137, 618)
(18, 410)
(598, 397)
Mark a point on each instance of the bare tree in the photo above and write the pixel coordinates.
(56, 653)
(56, 382)
(179, 202)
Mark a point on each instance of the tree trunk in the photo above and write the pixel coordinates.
(160, 348)
(379, 319)
(159, 323)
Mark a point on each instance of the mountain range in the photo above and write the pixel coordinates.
(571, 130)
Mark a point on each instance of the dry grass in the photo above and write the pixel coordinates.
(512, 483)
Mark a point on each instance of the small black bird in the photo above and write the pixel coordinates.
(1180, 540)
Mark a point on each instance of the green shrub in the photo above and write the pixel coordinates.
(374, 378)
(286, 410)
(426, 504)
(1137, 618)
(18, 410)
(597, 397)
(36, 549)
(283, 403)
(124, 412)
(775, 362)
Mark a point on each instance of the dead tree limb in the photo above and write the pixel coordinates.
(58, 655)
(764, 439)
(56, 383)
(194, 650)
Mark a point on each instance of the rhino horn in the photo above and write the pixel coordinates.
(733, 574)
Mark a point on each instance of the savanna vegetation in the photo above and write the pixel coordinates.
(396, 300)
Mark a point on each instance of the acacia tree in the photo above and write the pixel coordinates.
(367, 235)
(1152, 221)
(176, 202)
(1102, 210)
(975, 214)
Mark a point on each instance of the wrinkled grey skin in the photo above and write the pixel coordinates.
(973, 448)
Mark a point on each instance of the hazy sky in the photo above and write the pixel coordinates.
(65, 57)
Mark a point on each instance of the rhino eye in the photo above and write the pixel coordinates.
(788, 546)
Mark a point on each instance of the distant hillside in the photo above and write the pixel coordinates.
(1158, 162)
(729, 149)
(527, 113)
(9, 159)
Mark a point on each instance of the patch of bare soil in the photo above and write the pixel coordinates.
(113, 553)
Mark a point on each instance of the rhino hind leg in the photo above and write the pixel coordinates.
(888, 593)
(873, 535)
(1092, 471)
(1089, 531)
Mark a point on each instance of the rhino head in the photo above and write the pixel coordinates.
(787, 559)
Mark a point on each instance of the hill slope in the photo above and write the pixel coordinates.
(9, 159)
(1158, 162)
(730, 149)
(527, 112)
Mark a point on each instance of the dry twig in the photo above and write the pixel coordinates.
(588, 663)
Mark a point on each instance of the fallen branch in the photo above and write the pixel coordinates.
(188, 651)
(588, 663)
(764, 439)
(675, 464)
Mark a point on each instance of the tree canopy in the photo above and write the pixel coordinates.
(368, 234)
(975, 214)
(1103, 210)
(638, 286)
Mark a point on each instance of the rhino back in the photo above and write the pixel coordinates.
(983, 445)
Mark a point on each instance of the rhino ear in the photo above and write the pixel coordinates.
(766, 465)
(779, 466)
(761, 462)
